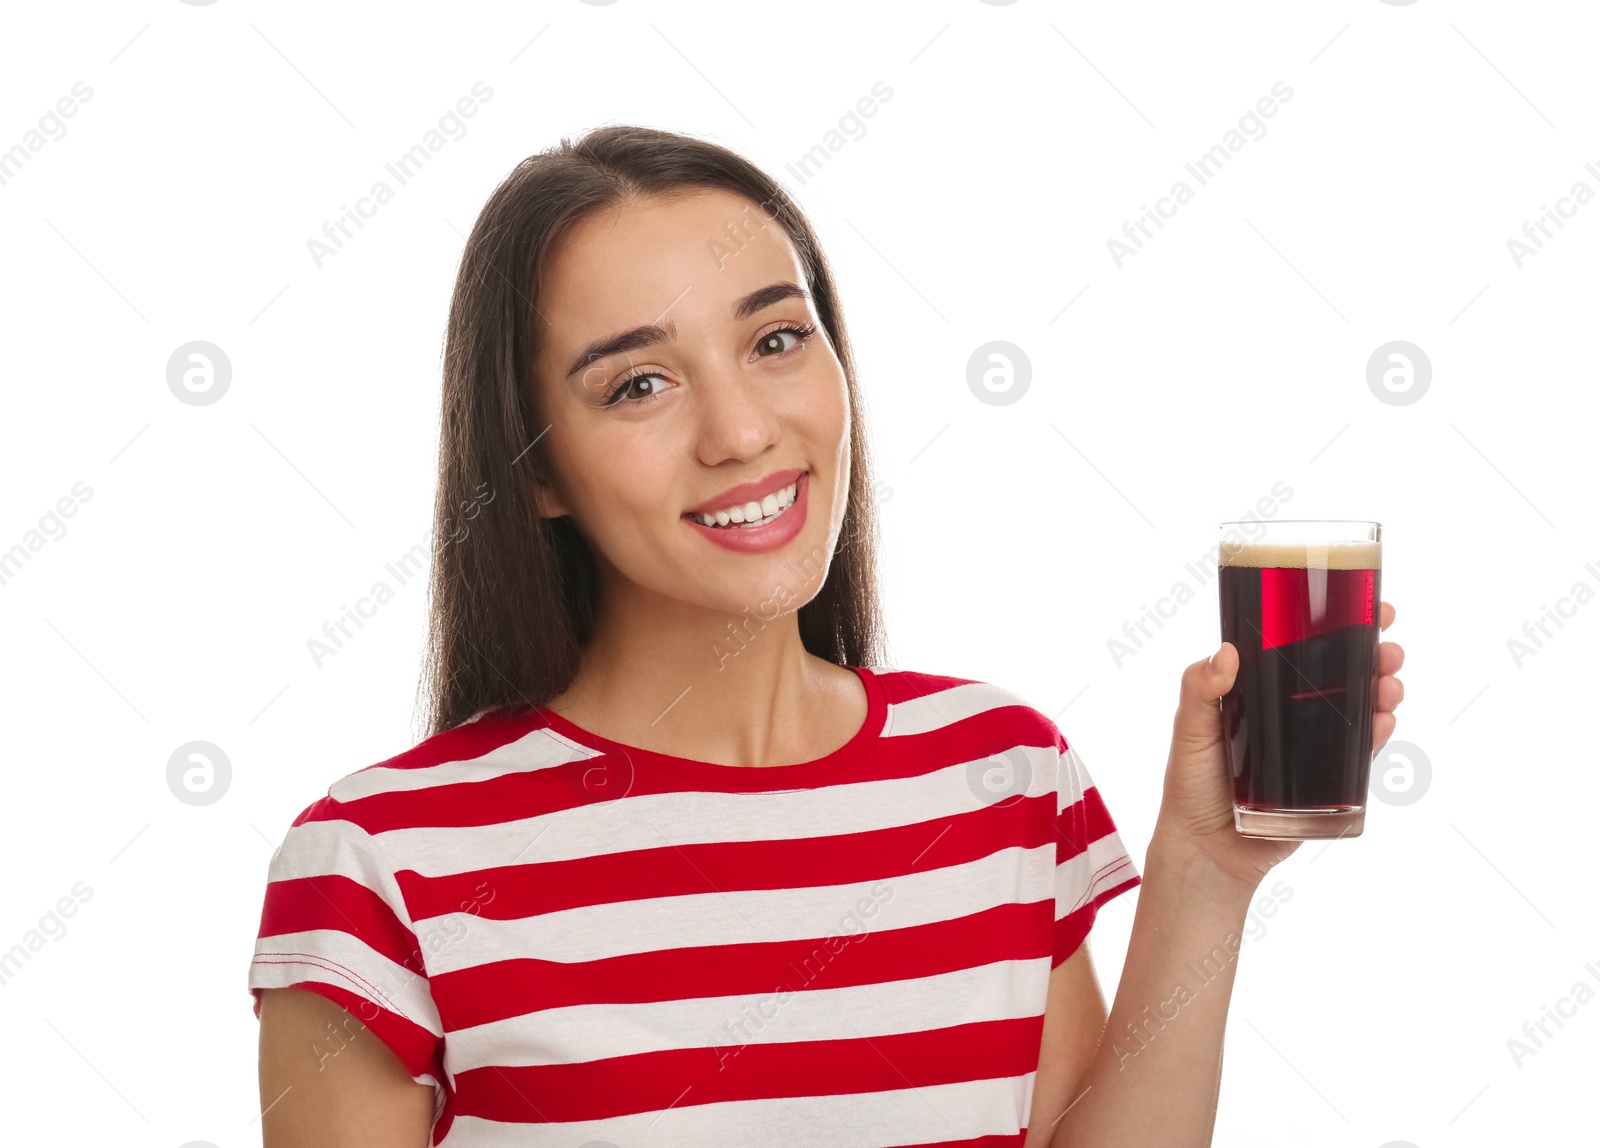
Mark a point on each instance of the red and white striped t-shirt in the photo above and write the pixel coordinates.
(577, 941)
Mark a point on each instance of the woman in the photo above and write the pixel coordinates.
(681, 861)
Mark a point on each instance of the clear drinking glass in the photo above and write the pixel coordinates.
(1300, 601)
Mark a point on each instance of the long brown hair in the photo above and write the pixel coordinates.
(512, 595)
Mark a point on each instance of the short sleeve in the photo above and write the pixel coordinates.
(1092, 865)
(334, 922)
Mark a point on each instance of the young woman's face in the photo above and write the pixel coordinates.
(725, 393)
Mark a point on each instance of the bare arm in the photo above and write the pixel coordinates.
(1074, 1018)
(327, 1082)
(1155, 1077)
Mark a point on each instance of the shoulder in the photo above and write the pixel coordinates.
(924, 700)
(388, 794)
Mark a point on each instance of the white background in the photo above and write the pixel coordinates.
(1227, 355)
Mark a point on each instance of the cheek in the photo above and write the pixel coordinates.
(820, 410)
(823, 422)
(618, 489)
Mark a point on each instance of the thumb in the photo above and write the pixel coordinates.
(1197, 725)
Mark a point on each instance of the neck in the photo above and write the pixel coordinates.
(678, 678)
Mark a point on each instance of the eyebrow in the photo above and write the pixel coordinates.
(651, 333)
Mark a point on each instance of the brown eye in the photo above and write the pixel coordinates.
(630, 390)
(772, 341)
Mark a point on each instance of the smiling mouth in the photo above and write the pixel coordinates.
(755, 514)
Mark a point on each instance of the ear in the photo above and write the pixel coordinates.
(548, 502)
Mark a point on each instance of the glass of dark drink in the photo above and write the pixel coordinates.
(1300, 602)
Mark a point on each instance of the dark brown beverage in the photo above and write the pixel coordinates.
(1298, 721)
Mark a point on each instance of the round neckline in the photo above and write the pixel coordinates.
(762, 777)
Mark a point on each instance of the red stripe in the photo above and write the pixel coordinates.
(909, 685)
(1074, 927)
(501, 989)
(515, 891)
(980, 735)
(334, 901)
(681, 1078)
(1081, 824)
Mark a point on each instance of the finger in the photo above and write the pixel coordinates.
(1387, 693)
(1385, 616)
(1391, 656)
(1197, 723)
(1382, 726)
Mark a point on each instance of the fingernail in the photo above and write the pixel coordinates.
(1211, 662)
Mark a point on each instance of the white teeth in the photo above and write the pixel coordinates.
(752, 513)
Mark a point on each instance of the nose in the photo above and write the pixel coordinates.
(731, 415)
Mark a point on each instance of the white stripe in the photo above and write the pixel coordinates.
(965, 1111)
(1074, 780)
(683, 818)
(943, 707)
(1080, 879)
(533, 751)
(341, 959)
(593, 932)
(342, 848)
(1003, 990)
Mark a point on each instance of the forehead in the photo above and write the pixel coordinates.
(694, 253)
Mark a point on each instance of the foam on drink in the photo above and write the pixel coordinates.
(1314, 555)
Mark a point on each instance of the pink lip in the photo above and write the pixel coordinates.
(761, 539)
(748, 491)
